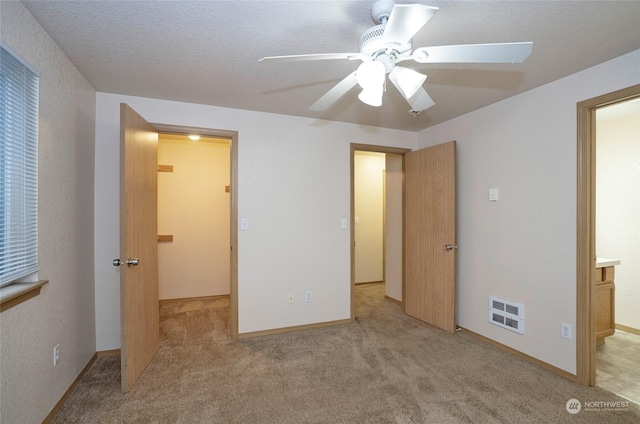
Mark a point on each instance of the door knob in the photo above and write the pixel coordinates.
(450, 247)
(129, 262)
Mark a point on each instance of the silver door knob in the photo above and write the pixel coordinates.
(450, 247)
(129, 262)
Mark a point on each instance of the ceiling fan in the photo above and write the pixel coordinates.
(385, 45)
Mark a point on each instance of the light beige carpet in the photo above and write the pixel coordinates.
(384, 368)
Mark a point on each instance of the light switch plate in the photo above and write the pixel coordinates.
(493, 194)
(244, 224)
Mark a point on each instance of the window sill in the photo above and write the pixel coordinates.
(16, 293)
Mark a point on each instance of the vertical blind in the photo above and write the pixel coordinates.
(18, 168)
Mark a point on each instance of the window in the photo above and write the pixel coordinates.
(18, 168)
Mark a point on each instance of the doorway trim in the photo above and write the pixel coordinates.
(586, 230)
(233, 137)
(378, 149)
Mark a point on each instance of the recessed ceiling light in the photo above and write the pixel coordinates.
(194, 137)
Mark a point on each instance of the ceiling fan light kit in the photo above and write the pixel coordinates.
(383, 46)
(370, 77)
(372, 96)
(370, 74)
(407, 80)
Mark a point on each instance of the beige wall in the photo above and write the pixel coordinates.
(194, 207)
(393, 226)
(618, 208)
(294, 190)
(368, 186)
(525, 145)
(64, 312)
(523, 247)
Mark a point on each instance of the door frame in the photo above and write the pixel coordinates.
(352, 231)
(233, 137)
(586, 230)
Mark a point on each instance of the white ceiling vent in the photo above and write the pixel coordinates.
(506, 314)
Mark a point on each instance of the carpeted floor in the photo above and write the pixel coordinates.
(384, 368)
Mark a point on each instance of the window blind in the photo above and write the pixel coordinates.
(18, 168)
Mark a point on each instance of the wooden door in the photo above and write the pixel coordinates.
(139, 308)
(430, 235)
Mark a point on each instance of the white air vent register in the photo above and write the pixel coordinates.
(506, 314)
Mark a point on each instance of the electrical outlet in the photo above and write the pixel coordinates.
(56, 354)
(291, 298)
(308, 297)
(565, 331)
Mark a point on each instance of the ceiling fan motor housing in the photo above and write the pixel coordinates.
(372, 45)
(381, 10)
(367, 44)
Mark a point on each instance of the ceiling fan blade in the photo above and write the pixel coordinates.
(338, 90)
(321, 56)
(406, 80)
(405, 21)
(474, 53)
(420, 101)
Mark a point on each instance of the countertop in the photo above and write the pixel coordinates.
(605, 262)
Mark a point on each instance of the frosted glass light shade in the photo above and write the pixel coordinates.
(372, 96)
(370, 75)
(407, 80)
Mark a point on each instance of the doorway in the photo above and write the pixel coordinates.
(232, 136)
(378, 179)
(193, 217)
(139, 239)
(376, 253)
(586, 231)
(617, 244)
(428, 247)
(369, 216)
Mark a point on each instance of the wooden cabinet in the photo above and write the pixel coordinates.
(605, 303)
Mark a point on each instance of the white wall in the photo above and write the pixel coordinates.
(63, 313)
(523, 247)
(368, 193)
(194, 207)
(618, 209)
(393, 226)
(294, 189)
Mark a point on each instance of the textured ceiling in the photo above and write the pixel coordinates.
(207, 51)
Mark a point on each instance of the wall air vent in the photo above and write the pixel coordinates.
(506, 314)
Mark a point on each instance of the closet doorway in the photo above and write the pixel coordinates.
(193, 217)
